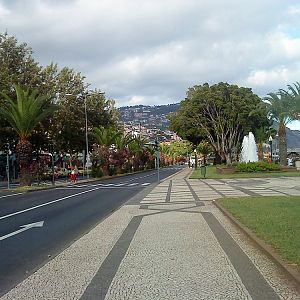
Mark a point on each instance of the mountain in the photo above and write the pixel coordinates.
(293, 138)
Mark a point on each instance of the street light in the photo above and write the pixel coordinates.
(270, 142)
(7, 146)
(51, 146)
(87, 161)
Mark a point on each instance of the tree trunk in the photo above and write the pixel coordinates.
(105, 170)
(219, 158)
(282, 144)
(24, 159)
(260, 151)
(228, 159)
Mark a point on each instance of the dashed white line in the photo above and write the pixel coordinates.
(11, 195)
(47, 203)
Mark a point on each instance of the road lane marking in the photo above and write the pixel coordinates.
(25, 227)
(47, 203)
(11, 195)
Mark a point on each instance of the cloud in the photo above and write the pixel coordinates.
(152, 51)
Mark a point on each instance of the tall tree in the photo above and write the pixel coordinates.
(103, 139)
(138, 153)
(120, 152)
(24, 115)
(293, 95)
(220, 114)
(280, 109)
(17, 66)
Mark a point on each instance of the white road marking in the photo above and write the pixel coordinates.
(133, 184)
(11, 195)
(47, 203)
(25, 227)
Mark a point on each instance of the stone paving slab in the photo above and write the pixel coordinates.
(171, 244)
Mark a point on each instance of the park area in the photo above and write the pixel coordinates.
(211, 172)
(274, 219)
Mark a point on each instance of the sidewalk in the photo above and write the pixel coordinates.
(171, 243)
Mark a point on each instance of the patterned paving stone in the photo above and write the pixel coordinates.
(175, 245)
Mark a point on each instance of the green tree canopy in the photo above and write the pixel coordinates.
(220, 114)
(17, 66)
(284, 107)
(24, 115)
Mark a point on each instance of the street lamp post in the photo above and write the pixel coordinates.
(271, 150)
(52, 162)
(196, 159)
(86, 135)
(156, 146)
(7, 164)
(87, 160)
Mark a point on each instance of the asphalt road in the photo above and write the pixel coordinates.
(55, 218)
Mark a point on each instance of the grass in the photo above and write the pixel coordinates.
(274, 219)
(212, 173)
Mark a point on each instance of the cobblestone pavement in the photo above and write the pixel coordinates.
(171, 243)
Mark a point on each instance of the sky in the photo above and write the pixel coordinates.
(151, 51)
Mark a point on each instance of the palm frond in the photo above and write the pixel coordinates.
(26, 112)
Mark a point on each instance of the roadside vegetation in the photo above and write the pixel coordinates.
(51, 110)
(48, 111)
(211, 173)
(273, 219)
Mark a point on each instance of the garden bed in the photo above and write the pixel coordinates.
(225, 170)
(288, 169)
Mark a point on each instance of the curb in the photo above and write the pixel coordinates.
(293, 274)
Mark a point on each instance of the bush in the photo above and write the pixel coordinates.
(112, 170)
(96, 172)
(260, 166)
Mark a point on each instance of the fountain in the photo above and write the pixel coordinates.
(249, 150)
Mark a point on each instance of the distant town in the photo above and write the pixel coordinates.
(150, 122)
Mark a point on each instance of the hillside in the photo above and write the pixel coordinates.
(293, 138)
(156, 117)
(148, 116)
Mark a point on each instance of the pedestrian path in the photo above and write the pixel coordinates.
(172, 243)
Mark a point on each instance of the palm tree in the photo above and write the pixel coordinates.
(261, 135)
(121, 153)
(204, 148)
(293, 93)
(104, 138)
(280, 109)
(165, 153)
(24, 115)
(137, 148)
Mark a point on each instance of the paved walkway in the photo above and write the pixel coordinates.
(171, 243)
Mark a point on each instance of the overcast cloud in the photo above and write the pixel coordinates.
(150, 52)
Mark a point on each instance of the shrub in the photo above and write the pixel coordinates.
(97, 172)
(112, 170)
(260, 166)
